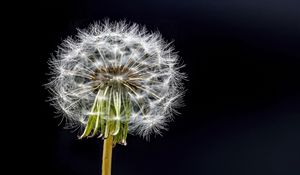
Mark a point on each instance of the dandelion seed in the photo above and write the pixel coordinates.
(116, 78)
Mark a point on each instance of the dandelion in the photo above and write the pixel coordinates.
(116, 78)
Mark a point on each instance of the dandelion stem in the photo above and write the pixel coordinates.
(107, 155)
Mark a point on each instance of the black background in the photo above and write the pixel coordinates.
(241, 113)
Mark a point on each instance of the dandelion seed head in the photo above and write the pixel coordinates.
(124, 62)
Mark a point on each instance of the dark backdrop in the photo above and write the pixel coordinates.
(241, 114)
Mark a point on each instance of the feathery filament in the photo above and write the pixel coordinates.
(116, 78)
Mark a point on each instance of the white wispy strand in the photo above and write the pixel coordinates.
(148, 69)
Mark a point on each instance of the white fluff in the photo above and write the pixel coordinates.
(149, 64)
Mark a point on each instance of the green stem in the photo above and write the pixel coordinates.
(107, 155)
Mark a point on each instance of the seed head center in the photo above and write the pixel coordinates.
(117, 78)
